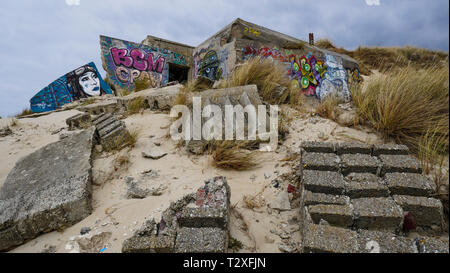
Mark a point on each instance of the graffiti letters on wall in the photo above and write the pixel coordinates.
(306, 73)
(334, 80)
(82, 82)
(127, 61)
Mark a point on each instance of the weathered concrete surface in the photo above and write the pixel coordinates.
(408, 184)
(390, 149)
(384, 242)
(47, 190)
(377, 214)
(336, 215)
(365, 185)
(109, 129)
(320, 161)
(329, 239)
(400, 163)
(426, 211)
(79, 121)
(315, 198)
(324, 182)
(359, 163)
(156, 98)
(353, 148)
(318, 147)
(195, 223)
(382, 183)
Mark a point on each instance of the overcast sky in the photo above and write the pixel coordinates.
(42, 40)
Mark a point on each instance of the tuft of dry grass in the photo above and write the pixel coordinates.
(136, 105)
(328, 108)
(406, 104)
(129, 139)
(142, 84)
(268, 75)
(121, 162)
(25, 112)
(231, 154)
(197, 85)
(388, 58)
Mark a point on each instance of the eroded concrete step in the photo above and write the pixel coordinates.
(329, 239)
(359, 163)
(426, 211)
(377, 214)
(335, 215)
(327, 182)
(317, 198)
(408, 184)
(320, 161)
(360, 185)
(399, 163)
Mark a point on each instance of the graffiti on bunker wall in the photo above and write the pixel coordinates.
(306, 73)
(334, 80)
(312, 75)
(127, 61)
(83, 82)
(210, 63)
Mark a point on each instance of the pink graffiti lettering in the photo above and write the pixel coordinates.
(137, 60)
(120, 57)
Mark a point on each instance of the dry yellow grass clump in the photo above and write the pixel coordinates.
(233, 154)
(388, 58)
(406, 104)
(268, 75)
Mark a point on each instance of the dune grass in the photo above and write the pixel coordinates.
(25, 112)
(328, 108)
(268, 75)
(231, 154)
(389, 58)
(406, 104)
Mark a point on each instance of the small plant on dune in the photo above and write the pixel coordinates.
(129, 139)
(234, 244)
(121, 162)
(142, 84)
(197, 85)
(268, 75)
(328, 108)
(136, 105)
(406, 104)
(87, 101)
(25, 112)
(230, 154)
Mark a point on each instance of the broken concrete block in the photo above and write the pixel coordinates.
(79, 121)
(104, 106)
(109, 129)
(320, 161)
(5, 131)
(133, 189)
(432, 245)
(203, 217)
(201, 240)
(353, 148)
(153, 154)
(400, 164)
(389, 149)
(47, 190)
(329, 239)
(370, 241)
(323, 182)
(314, 198)
(318, 147)
(426, 211)
(281, 201)
(335, 215)
(359, 163)
(146, 240)
(365, 185)
(377, 214)
(408, 184)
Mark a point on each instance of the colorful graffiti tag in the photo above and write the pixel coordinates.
(334, 80)
(82, 82)
(127, 61)
(211, 62)
(306, 73)
(264, 52)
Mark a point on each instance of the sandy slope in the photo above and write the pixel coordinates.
(260, 229)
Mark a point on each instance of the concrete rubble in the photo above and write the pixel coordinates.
(47, 190)
(363, 193)
(196, 223)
